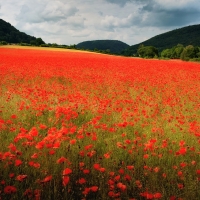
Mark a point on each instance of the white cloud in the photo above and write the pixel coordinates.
(74, 21)
(38, 12)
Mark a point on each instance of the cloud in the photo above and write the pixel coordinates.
(74, 21)
(154, 13)
(38, 12)
(169, 14)
(110, 22)
(124, 2)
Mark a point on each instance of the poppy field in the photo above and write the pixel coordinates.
(86, 126)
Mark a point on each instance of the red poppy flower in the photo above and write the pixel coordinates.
(94, 188)
(66, 171)
(18, 162)
(21, 177)
(96, 166)
(10, 189)
(82, 181)
(46, 179)
(65, 180)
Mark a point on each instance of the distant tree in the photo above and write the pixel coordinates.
(166, 53)
(3, 43)
(44, 45)
(107, 51)
(147, 51)
(39, 41)
(33, 42)
(198, 54)
(177, 50)
(190, 52)
(174, 52)
(54, 44)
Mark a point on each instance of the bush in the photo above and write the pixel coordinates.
(44, 45)
(147, 51)
(24, 44)
(3, 43)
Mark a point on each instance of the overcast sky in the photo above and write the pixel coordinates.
(73, 21)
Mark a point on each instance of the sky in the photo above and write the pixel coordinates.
(73, 21)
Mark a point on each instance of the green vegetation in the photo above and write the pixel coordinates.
(147, 51)
(174, 52)
(104, 46)
(180, 52)
(10, 34)
(189, 35)
(3, 43)
(190, 52)
(183, 43)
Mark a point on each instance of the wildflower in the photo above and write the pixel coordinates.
(11, 175)
(52, 152)
(35, 155)
(56, 145)
(86, 191)
(66, 171)
(107, 155)
(156, 169)
(81, 164)
(46, 179)
(127, 177)
(81, 181)
(198, 171)
(145, 156)
(43, 127)
(94, 188)
(12, 147)
(86, 171)
(73, 141)
(121, 171)
(28, 192)
(102, 169)
(130, 167)
(21, 177)
(10, 189)
(18, 162)
(157, 195)
(33, 132)
(61, 160)
(96, 166)
(117, 177)
(180, 186)
(65, 180)
(121, 186)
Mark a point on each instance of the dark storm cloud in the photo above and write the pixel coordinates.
(162, 13)
(161, 16)
(174, 18)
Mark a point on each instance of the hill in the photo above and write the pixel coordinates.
(10, 34)
(114, 46)
(189, 35)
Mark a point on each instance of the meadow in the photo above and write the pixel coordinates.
(86, 126)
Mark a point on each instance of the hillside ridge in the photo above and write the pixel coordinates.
(188, 35)
(10, 34)
(114, 46)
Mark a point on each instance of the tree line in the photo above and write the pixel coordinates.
(186, 53)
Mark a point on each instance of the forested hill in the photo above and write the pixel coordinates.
(10, 34)
(189, 35)
(114, 46)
